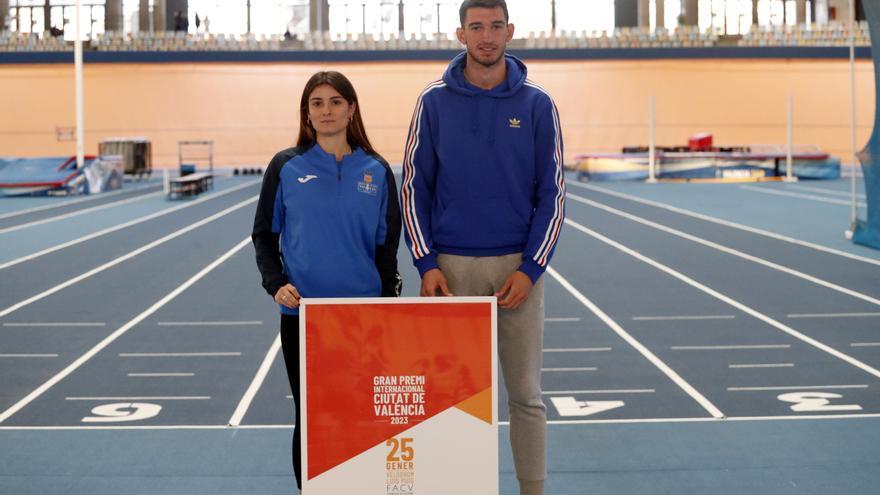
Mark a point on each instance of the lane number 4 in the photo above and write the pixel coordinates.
(569, 407)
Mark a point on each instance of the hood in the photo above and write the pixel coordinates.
(455, 80)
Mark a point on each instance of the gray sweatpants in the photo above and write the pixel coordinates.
(520, 344)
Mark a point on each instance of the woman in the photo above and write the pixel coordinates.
(328, 220)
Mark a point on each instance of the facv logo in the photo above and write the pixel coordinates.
(303, 180)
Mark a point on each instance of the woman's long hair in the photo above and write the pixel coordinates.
(355, 133)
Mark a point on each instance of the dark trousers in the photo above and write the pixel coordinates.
(290, 348)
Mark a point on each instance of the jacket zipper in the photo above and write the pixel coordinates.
(339, 178)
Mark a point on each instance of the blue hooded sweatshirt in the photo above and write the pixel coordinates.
(482, 171)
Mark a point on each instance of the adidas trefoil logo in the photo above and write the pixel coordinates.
(303, 180)
(514, 123)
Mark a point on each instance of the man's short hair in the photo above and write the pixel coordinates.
(482, 4)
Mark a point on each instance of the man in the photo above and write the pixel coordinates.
(483, 203)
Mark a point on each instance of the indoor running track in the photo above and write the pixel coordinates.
(698, 337)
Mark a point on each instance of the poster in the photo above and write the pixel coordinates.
(399, 396)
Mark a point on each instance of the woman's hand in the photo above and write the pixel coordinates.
(288, 296)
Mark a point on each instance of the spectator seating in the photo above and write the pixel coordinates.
(28, 42)
(393, 41)
(625, 37)
(834, 34)
(181, 41)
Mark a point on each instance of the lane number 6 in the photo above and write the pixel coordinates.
(123, 411)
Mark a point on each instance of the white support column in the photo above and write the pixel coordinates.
(660, 13)
(821, 7)
(78, 76)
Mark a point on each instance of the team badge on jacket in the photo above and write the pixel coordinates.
(366, 186)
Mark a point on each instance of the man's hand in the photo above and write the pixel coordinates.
(434, 284)
(288, 296)
(515, 290)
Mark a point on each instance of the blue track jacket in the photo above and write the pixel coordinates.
(483, 171)
(337, 225)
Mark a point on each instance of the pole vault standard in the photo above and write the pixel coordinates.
(789, 143)
(78, 75)
(652, 145)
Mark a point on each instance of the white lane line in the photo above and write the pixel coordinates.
(728, 347)
(121, 226)
(73, 202)
(120, 331)
(728, 250)
(179, 354)
(824, 191)
(28, 355)
(742, 419)
(147, 397)
(564, 370)
(57, 324)
(736, 304)
(579, 349)
(130, 255)
(795, 387)
(618, 391)
(560, 320)
(809, 197)
(832, 417)
(673, 318)
(650, 356)
(865, 344)
(726, 223)
(256, 383)
(78, 212)
(152, 375)
(768, 365)
(832, 315)
(208, 323)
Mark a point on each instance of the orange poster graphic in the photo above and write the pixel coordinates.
(377, 373)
